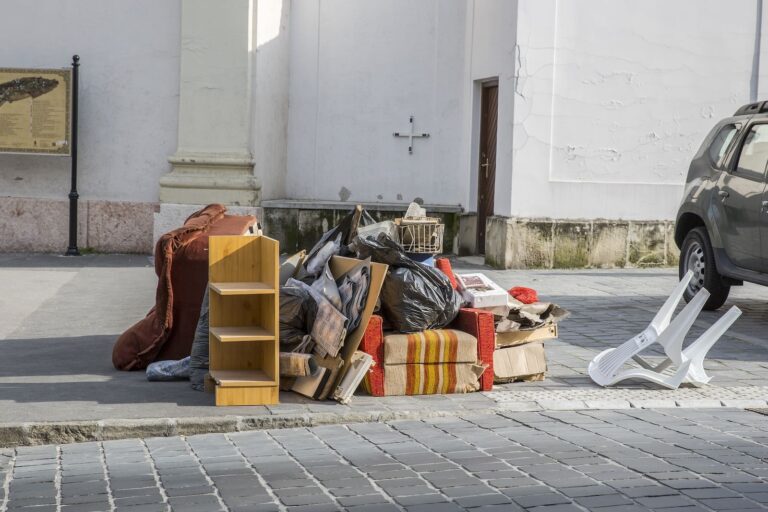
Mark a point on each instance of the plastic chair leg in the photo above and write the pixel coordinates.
(697, 351)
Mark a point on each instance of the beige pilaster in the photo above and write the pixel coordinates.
(213, 162)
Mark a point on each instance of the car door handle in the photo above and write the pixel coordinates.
(765, 206)
(723, 194)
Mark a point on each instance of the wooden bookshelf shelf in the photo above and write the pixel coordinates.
(252, 288)
(242, 378)
(230, 334)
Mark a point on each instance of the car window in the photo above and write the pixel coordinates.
(754, 153)
(721, 142)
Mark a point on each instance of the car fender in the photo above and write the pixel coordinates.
(697, 202)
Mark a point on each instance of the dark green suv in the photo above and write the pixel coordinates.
(722, 223)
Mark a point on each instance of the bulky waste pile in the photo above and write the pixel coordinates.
(327, 297)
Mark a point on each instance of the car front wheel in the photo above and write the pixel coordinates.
(697, 256)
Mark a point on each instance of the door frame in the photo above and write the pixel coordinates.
(474, 156)
(480, 229)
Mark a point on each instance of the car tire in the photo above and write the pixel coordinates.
(697, 255)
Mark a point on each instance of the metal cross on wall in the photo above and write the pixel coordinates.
(410, 136)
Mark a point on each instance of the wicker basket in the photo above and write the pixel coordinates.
(421, 237)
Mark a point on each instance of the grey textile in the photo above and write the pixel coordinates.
(315, 263)
(168, 370)
(353, 288)
(326, 285)
(198, 361)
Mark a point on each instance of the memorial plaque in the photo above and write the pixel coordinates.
(35, 110)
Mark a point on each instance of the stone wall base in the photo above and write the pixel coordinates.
(527, 243)
(299, 225)
(42, 225)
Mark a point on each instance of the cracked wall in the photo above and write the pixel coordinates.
(613, 97)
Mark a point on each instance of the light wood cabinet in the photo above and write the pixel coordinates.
(244, 313)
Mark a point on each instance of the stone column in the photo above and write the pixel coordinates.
(213, 162)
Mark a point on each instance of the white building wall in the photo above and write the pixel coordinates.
(615, 96)
(128, 93)
(358, 71)
(492, 46)
(271, 83)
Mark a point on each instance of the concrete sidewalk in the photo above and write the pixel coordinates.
(59, 318)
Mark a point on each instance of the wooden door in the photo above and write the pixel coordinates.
(487, 165)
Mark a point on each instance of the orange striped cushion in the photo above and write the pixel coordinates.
(430, 347)
(430, 379)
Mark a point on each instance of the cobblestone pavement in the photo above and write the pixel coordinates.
(673, 459)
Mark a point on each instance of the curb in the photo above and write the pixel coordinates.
(30, 434)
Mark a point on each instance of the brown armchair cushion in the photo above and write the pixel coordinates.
(181, 265)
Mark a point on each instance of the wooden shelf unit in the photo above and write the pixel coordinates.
(243, 273)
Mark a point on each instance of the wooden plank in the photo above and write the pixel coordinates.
(247, 396)
(241, 378)
(245, 333)
(242, 288)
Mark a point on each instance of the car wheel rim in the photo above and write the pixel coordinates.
(695, 262)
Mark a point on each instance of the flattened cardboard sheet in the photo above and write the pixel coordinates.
(514, 338)
(515, 363)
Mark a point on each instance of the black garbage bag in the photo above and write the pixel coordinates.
(297, 316)
(336, 240)
(414, 297)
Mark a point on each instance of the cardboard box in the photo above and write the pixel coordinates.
(481, 292)
(523, 362)
(514, 338)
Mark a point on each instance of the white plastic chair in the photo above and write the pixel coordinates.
(670, 334)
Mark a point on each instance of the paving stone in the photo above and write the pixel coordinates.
(435, 507)
(420, 499)
(144, 508)
(665, 501)
(485, 499)
(608, 500)
(379, 507)
(366, 499)
(537, 500)
(310, 499)
(728, 503)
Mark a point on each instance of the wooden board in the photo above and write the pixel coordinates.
(247, 396)
(247, 333)
(242, 288)
(241, 378)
